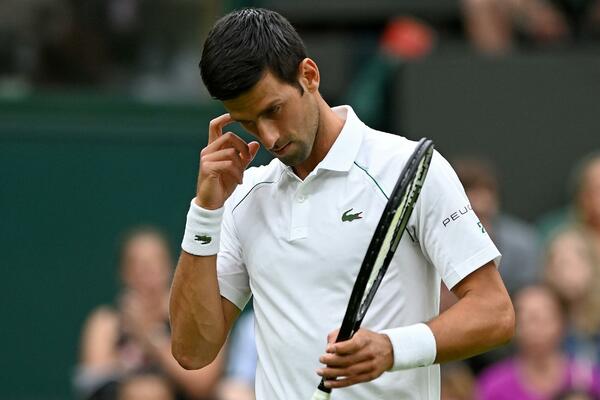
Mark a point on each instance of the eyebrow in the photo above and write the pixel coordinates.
(262, 112)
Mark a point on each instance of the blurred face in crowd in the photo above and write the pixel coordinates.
(539, 321)
(589, 196)
(484, 201)
(568, 268)
(282, 118)
(145, 388)
(146, 266)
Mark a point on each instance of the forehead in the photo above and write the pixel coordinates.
(264, 93)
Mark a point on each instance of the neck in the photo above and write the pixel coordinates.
(329, 128)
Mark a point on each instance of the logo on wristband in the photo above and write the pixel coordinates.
(203, 239)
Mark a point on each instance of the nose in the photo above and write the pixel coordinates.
(268, 133)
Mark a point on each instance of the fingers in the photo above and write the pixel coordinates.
(333, 336)
(351, 346)
(228, 139)
(345, 382)
(215, 127)
(363, 358)
(337, 361)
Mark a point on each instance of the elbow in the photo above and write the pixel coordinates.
(506, 322)
(189, 361)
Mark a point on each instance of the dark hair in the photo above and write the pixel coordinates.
(129, 236)
(243, 46)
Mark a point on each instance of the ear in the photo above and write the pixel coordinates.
(309, 76)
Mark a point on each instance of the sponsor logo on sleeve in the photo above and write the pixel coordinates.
(456, 215)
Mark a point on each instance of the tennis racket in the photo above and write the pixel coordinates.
(383, 245)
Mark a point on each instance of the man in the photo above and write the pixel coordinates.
(293, 234)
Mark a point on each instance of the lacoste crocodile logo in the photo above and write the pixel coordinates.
(203, 239)
(351, 217)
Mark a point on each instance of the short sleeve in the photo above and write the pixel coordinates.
(231, 269)
(451, 235)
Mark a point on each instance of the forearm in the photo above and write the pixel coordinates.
(475, 324)
(198, 384)
(198, 326)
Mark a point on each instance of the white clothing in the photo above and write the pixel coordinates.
(284, 242)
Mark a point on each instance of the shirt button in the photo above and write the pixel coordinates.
(301, 198)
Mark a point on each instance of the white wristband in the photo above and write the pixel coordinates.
(202, 231)
(414, 346)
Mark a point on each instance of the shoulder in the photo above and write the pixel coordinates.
(254, 179)
(385, 154)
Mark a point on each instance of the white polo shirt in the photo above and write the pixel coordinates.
(295, 246)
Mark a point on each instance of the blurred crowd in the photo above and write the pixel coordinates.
(145, 47)
(150, 48)
(552, 274)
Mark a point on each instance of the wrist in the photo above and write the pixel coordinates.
(202, 230)
(413, 346)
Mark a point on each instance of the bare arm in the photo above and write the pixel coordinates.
(200, 383)
(200, 318)
(483, 317)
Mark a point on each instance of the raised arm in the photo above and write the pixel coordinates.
(200, 318)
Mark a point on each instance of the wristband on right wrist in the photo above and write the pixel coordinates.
(202, 230)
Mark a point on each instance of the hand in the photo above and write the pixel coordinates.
(138, 316)
(546, 23)
(222, 164)
(361, 359)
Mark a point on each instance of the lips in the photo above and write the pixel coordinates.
(281, 150)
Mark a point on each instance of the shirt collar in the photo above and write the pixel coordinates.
(344, 150)
(346, 146)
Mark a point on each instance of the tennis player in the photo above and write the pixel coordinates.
(293, 234)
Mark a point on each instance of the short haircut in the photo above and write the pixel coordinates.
(243, 46)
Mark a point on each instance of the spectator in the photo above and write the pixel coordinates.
(492, 25)
(587, 198)
(241, 363)
(516, 240)
(145, 387)
(458, 382)
(540, 370)
(576, 395)
(133, 336)
(571, 270)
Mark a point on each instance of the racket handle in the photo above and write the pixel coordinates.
(321, 395)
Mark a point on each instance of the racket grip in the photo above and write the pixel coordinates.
(321, 395)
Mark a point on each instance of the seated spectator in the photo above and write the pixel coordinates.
(516, 240)
(145, 387)
(576, 395)
(571, 270)
(584, 210)
(493, 25)
(541, 369)
(587, 199)
(457, 381)
(133, 336)
(241, 361)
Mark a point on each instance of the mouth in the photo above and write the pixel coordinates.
(282, 149)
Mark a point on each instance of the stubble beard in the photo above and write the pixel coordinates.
(304, 148)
